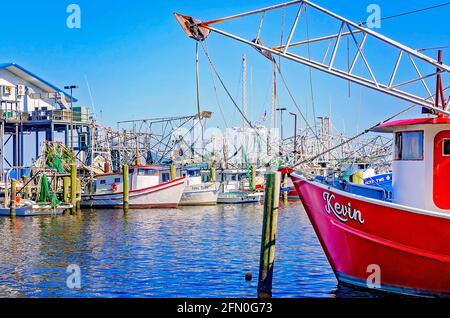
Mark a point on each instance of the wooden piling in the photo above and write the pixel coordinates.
(252, 177)
(268, 236)
(66, 183)
(12, 205)
(285, 193)
(213, 174)
(173, 172)
(78, 194)
(73, 186)
(126, 187)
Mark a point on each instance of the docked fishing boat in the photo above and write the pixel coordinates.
(148, 188)
(403, 234)
(235, 188)
(198, 191)
(30, 208)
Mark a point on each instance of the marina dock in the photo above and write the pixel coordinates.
(284, 151)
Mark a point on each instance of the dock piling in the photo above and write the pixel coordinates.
(213, 175)
(66, 182)
(285, 193)
(268, 236)
(78, 194)
(173, 172)
(73, 186)
(252, 177)
(12, 205)
(126, 188)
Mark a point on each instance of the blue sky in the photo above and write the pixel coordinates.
(139, 63)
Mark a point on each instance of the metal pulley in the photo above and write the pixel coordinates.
(192, 27)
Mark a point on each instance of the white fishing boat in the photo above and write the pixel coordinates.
(235, 188)
(199, 195)
(148, 188)
(200, 190)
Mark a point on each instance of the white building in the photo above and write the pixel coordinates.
(23, 91)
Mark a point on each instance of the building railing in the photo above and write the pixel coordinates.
(14, 115)
(64, 115)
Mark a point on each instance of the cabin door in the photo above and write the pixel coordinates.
(441, 170)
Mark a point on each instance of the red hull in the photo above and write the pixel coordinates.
(293, 194)
(411, 247)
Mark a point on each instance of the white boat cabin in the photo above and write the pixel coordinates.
(195, 174)
(236, 179)
(421, 166)
(141, 177)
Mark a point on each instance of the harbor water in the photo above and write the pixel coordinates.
(186, 252)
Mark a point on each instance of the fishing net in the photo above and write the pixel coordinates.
(45, 196)
(56, 156)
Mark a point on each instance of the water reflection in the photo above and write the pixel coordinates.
(188, 252)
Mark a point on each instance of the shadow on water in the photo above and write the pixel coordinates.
(186, 252)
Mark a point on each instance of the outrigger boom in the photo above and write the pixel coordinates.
(199, 31)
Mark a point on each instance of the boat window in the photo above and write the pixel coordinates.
(193, 173)
(102, 181)
(165, 177)
(446, 147)
(409, 145)
(117, 180)
(146, 172)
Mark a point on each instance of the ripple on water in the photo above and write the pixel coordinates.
(186, 252)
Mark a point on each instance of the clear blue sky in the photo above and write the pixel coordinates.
(140, 64)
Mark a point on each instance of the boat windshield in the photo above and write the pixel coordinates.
(146, 172)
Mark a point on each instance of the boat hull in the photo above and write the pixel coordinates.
(406, 248)
(199, 197)
(238, 198)
(165, 195)
(35, 210)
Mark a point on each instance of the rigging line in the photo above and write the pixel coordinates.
(167, 150)
(216, 93)
(230, 96)
(408, 12)
(434, 48)
(357, 152)
(197, 78)
(283, 13)
(356, 136)
(297, 106)
(310, 71)
(90, 94)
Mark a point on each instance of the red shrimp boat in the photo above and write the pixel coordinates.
(405, 233)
